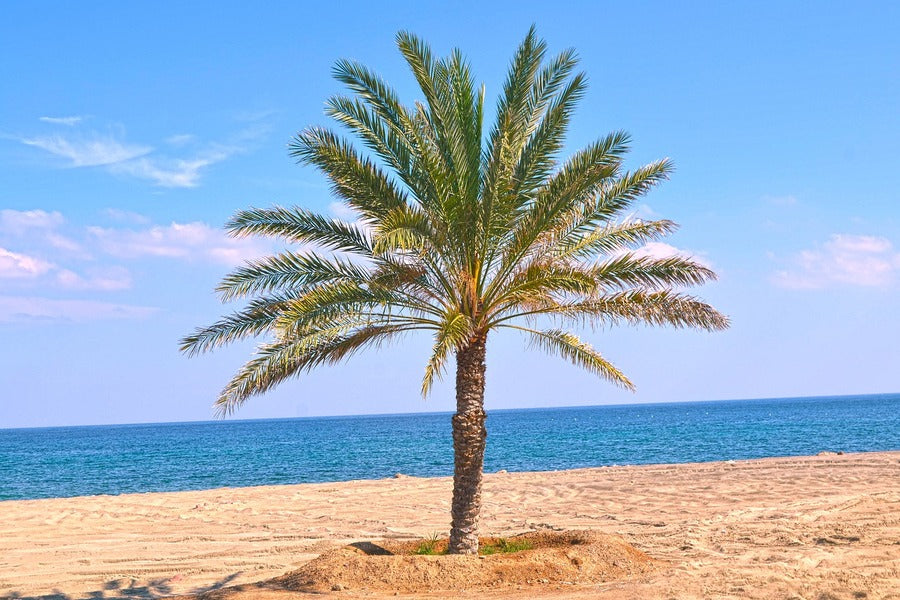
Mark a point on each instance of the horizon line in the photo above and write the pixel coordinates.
(446, 412)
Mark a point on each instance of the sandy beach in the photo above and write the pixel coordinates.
(823, 527)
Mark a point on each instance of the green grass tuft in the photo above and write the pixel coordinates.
(434, 545)
(505, 546)
(429, 546)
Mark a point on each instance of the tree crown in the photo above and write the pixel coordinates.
(459, 233)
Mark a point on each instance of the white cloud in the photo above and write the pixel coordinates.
(660, 250)
(21, 266)
(864, 244)
(93, 152)
(67, 121)
(18, 221)
(189, 241)
(56, 261)
(125, 216)
(170, 173)
(787, 200)
(343, 211)
(100, 279)
(18, 308)
(250, 116)
(94, 149)
(644, 213)
(68, 245)
(181, 139)
(39, 224)
(848, 260)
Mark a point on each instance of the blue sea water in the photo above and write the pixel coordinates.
(117, 459)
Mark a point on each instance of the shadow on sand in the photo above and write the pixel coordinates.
(124, 589)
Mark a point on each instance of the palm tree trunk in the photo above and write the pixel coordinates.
(469, 437)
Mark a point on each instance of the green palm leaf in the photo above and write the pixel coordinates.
(298, 225)
(570, 347)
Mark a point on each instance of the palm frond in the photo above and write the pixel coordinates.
(557, 206)
(538, 156)
(568, 346)
(288, 271)
(298, 225)
(356, 180)
(403, 229)
(256, 319)
(353, 297)
(614, 196)
(454, 330)
(609, 238)
(538, 282)
(512, 128)
(379, 137)
(636, 307)
(631, 270)
(290, 357)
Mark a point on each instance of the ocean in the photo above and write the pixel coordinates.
(119, 459)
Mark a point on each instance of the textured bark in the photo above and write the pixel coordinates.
(469, 437)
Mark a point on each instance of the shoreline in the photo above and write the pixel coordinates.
(780, 523)
(448, 477)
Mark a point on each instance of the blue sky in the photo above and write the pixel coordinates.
(129, 133)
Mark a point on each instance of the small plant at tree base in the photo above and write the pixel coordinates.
(505, 546)
(429, 546)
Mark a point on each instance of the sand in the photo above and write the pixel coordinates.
(821, 527)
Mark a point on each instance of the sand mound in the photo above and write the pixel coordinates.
(575, 557)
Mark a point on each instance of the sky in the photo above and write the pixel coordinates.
(130, 132)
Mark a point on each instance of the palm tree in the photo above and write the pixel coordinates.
(459, 234)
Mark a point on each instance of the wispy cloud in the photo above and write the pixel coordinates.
(19, 221)
(786, 200)
(109, 279)
(181, 139)
(68, 245)
(343, 211)
(139, 161)
(21, 266)
(187, 241)
(94, 151)
(31, 309)
(39, 273)
(36, 256)
(645, 213)
(39, 229)
(254, 116)
(125, 216)
(175, 173)
(195, 241)
(844, 260)
(180, 164)
(41, 225)
(67, 121)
